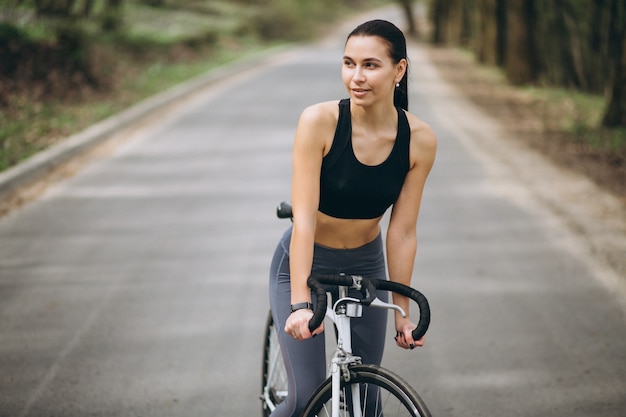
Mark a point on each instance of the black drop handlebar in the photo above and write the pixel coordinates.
(367, 288)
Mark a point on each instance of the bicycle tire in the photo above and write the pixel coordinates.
(274, 376)
(397, 397)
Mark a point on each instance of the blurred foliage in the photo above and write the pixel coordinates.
(580, 45)
(65, 64)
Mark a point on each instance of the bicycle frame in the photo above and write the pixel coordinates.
(344, 364)
(344, 309)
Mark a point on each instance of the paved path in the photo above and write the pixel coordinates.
(139, 286)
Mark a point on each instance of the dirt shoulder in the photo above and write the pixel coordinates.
(585, 191)
(524, 117)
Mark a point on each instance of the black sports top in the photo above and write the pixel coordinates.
(352, 190)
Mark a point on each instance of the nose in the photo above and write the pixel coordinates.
(358, 75)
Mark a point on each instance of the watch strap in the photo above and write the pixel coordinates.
(301, 306)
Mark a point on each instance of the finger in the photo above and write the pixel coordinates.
(319, 330)
(408, 338)
(291, 332)
(303, 330)
(400, 340)
(291, 329)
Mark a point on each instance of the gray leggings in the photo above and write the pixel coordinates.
(305, 361)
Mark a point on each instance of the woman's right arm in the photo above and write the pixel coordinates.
(310, 143)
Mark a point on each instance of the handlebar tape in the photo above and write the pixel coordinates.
(317, 282)
(413, 294)
(368, 290)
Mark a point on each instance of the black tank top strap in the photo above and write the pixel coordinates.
(343, 135)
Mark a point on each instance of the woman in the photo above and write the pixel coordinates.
(352, 160)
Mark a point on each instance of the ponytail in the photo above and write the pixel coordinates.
(401, 95)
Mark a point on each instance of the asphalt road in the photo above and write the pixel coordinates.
(138, 287)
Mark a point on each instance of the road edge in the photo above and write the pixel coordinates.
(42, 163)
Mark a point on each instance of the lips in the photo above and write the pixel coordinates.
(359, 91)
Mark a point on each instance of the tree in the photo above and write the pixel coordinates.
(112, 18)
(452, 21)
(597, 46)
(520, 61)
(87, 8)
(615, 114)
(439, 10)
(407, 7)
(489, 34)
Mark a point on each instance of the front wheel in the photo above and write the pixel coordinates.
(381, 393)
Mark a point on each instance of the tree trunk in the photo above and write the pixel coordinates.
(597, 71)
(454, 25)
(449, 21)
(486, 31)
(407, 7)
(520, 55)
(87, 8)
(439, 19)
(490, 33)
(436, 17)
(616, 109)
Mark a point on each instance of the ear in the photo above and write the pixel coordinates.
(400, 70)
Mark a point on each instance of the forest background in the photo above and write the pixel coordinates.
(66, 64)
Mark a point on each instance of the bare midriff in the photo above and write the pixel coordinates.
(345, 233)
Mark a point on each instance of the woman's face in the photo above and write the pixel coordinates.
(368, 72)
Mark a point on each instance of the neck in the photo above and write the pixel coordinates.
(378, 114)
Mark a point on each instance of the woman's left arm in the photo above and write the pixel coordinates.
(402, 233)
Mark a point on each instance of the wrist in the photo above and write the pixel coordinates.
(399, 317)
(301, 306)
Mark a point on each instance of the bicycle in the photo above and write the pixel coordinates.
(352, 388)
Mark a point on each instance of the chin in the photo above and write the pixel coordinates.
(362, 101)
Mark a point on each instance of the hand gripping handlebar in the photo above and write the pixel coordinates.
(368, 288)
(413, 294)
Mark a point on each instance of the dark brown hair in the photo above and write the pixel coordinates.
(396, 43)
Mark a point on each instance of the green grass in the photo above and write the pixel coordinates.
(154, 49)
(579, 115)
(32, 126)
(167, 27)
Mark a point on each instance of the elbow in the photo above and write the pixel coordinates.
(304, 224)
(403, 237)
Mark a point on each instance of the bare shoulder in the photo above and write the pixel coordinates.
(317, 126)
(325, 113)
(423, 140)
(421, 132)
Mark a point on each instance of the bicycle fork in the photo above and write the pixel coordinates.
(340, 369)
(343, 357)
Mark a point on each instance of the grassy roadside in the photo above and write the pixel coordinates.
(155, 49)
(562, 124)
(29, 124)
(158, 48)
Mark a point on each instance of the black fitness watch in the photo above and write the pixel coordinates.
(300, 306)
